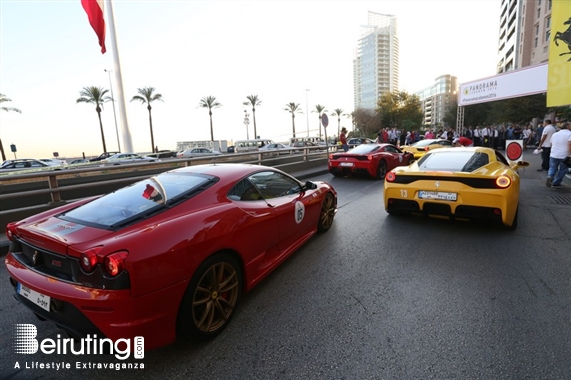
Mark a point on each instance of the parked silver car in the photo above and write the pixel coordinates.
(197, 152)
(126, 158)
(27, 163)
(275, 149)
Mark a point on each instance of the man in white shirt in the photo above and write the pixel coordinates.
(477, 135)
(485, 132)
(545, 145)
(526, 135)
(393, 136)
(560, 149)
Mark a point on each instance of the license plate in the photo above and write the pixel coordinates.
(438, 195)
(39, 299)
(346, 164)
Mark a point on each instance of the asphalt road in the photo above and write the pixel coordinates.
(378, 297)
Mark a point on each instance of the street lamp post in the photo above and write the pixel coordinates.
(114, 114)
(307, 112)
(246, 122)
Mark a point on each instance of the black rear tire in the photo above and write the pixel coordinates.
(381, 169)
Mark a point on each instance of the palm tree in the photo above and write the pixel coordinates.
(319, 109)
(3, 99)
(338, 112)
(95, 95)
(210, 103)
(254, 101)
(293, 108)
(146, 96)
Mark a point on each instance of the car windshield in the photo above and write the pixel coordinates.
(453, 161)
(139, 200)
(365, 148)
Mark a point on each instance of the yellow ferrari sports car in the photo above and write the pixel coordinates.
(420, 148)
(473, 183)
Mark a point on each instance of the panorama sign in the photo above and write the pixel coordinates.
(528, 81)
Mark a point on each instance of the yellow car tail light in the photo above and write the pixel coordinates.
(503, 182)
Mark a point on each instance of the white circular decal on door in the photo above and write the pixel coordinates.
(299, 212)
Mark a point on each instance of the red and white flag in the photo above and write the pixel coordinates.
(94, 10)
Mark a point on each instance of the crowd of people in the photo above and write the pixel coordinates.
(397, 137)
(496, 136)
(488, 136)
(555, 160)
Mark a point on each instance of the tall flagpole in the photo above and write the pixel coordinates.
(127, 143)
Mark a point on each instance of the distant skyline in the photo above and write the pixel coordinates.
(188, 50)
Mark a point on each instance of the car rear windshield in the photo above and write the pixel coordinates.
(365, 148)
(139, 200)
(453, 161)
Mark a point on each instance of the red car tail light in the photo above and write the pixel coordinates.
(390, 177)
(115, 262)
(503, 182)
(10, 230)
(88, 260)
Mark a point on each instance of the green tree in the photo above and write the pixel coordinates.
(319, 109)
(451, 117)
(477, 115)
(398, 106)
(3, 99)
(210, 102)
(563, 112)
(338, 112)
(520, 110)
(366, 123)
(147, 96)
(293, 108)
(95, 95)
(254, 102)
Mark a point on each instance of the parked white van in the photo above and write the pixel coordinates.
(314, 140)
(242, 146)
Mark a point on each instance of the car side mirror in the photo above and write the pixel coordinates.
(309, 186)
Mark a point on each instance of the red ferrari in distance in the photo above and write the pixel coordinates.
(165, 257)
(373, 160)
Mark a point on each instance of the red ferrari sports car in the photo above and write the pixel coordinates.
(165, 257)
(373, 160)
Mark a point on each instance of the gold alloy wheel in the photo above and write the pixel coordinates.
(215, 297)
(327, 213)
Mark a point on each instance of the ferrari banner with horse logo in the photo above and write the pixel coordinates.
(559, 66)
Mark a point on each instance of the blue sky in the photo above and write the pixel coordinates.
(228, 49)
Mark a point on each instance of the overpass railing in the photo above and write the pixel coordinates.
(23, 194)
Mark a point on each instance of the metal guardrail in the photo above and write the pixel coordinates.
(17, 201)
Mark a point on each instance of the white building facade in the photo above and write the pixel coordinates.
(525, 33)
(376, 62)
